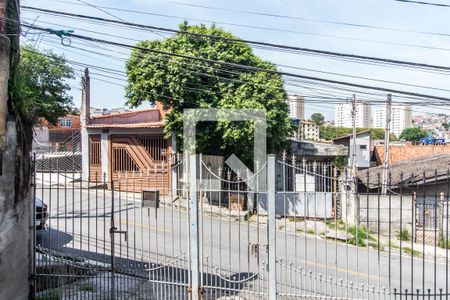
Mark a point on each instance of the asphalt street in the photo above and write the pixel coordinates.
(234, 252)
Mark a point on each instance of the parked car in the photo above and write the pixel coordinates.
(41, 214)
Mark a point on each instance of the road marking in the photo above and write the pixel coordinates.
(145, 226)
(343, 270)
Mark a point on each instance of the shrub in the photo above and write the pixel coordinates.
(444, 243)
(403, 235)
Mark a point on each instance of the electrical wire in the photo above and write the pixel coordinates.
(424, 3)
(247, 82)
(290, 67)
(103, 9)
(348, 24)
(234, 40)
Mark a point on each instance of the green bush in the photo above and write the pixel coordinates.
(403, 235)
(444, 243)
(360, 235)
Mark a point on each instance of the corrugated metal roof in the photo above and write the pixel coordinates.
(412, 171)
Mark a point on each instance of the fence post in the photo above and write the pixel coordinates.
(441, 217)
(193, 228)
(272, 227)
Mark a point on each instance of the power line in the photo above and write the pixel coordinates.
(251, 68)
(424, 3)
(271, 15)
(305, 19)
(305, 83)
(108, 13)
(272, 45)
(104, 8)
(241, 80)
(285, 66)
(309, 100)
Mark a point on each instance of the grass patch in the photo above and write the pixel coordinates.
(407, 250)
(308, 230)
(296, 219)
(403, 235)
(360, 235)
(363, 232)
(375, 246)
(444, 243)
(86, 287)
(340, 225)
(393, 246)
(412, 252)
(50, 295)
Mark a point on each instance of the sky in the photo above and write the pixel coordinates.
(311, 24)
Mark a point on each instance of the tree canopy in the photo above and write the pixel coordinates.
(40, 89)
(181, 83)
(329, 133)
(317, 118)
(413, 134)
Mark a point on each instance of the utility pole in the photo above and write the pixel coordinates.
(354, 157)
(387, 132)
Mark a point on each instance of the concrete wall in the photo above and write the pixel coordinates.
(380, 212)
(15, 221)
(311, 205)
(362, 149)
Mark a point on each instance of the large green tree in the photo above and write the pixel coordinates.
(181, 83)
(317, 118)
(329, 133)
(40, 89)
(413, 134)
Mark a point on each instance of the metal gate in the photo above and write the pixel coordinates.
(95, 239)
(208, 233)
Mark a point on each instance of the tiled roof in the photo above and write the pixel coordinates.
(404, 152)
(132, 125)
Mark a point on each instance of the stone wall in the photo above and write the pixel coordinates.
(15, 221)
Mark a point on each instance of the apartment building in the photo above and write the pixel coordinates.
(343, 115)
(296, 106)
(401, 118)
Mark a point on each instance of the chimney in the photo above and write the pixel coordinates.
(86, 99)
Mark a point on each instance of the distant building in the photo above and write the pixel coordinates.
(296, 106)
(343, 115)
(95, 112)
(363, 144)
(309, 131)
(401, 118)
(48, 137)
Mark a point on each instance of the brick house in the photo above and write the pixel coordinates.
(127, 144)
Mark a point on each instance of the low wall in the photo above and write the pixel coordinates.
(380, 213)
(295, 204)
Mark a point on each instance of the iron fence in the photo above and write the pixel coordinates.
(305, 231)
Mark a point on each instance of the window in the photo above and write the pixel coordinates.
(363, 147)
(65, 122)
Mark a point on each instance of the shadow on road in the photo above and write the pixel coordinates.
(161, 279)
